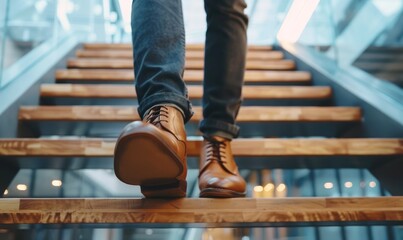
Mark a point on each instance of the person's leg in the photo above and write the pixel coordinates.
(159, 54)
(224, 68)
(152, 153)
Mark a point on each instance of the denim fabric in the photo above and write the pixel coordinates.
(159, 54)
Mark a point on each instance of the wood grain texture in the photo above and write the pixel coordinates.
(195, 92)
(213, 211)
(246, 114)
(189, 76)
(126, 46)
(108, 63)
(242, 147)
(190, 54)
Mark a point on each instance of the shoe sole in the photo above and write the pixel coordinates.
(143, 159)
(220, 193)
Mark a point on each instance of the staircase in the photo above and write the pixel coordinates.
(383, 62)
(286, 122)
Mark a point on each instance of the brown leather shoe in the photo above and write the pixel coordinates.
(219, 176)
(152, 153)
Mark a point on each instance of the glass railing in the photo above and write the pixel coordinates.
(363, 34)
(31, 29)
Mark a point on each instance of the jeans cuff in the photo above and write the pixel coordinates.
(211, 127)
(169, 98)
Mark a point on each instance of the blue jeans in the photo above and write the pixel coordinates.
(159, 56)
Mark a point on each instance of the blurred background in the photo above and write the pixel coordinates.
(364, 35)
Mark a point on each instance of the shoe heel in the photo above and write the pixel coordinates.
(173, 190)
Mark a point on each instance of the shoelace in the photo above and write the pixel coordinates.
(215, 151)
(154, 117)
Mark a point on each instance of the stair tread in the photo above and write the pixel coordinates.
(199, 210)
(246, 113)
(190, 54)
(108, 63)
(242, 147)
(189, 75)
(188, 46)
(195, 92)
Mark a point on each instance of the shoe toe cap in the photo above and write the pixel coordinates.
(233, 183)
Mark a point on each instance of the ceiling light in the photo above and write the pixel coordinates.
(258, 189)
(296, 20)
(22, 187)
(6, 192)
(57, 183)
(328, 185)
(61, 12)
(269, 187)
(372, 184)
(40, 5)
(348, 184)
(388, 8)
(281, 187)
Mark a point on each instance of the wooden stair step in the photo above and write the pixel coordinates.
(253, 211)
(250, 153)
(242, 147)
(246, 114)
(104, 46)
(195, 92)
(108, 63)
(189, 76)
(190, 54)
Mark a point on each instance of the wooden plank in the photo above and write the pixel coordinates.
(195, 92)
(189, 76)
(108, 63)
(246, 114)
(191, 54)
(242, 147)
(188, 46)
(333, 211)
